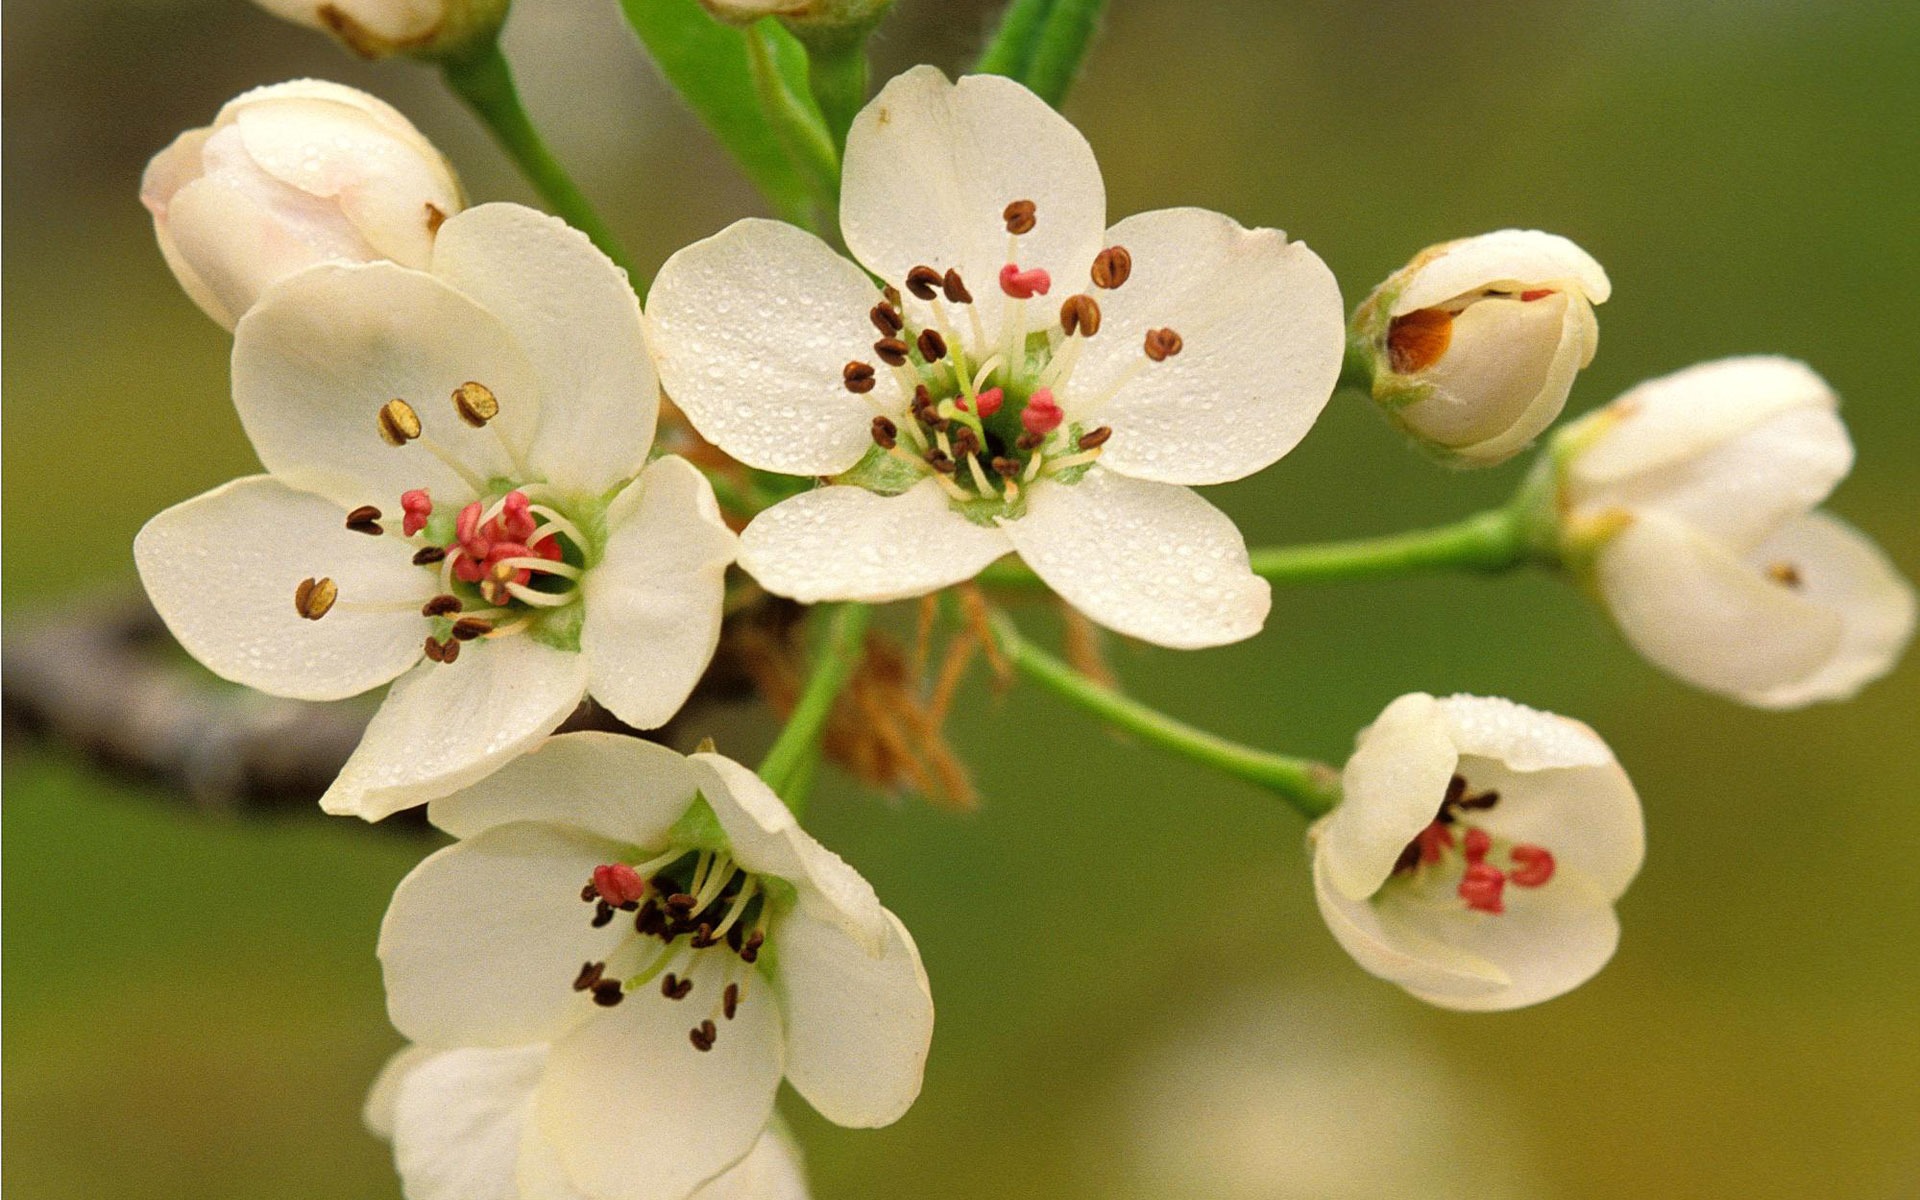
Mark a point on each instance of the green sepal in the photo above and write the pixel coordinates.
(878, 471)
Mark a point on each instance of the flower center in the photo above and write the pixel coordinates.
(988, 410)
(1483, 883)
(504, 564)
(699, 907)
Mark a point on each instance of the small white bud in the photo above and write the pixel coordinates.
(1474, 344)
(818, 14)
(288, 176)
(380, 28)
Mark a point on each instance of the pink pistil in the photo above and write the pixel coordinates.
(990, 401)
(618, 884)
(1435, 840)
(483, 547)
(415, 506)
(1041, 415)
(1481, 886)
(1532, 865)
(1476, 844)
(1024, 285)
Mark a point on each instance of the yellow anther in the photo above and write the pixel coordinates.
(314, 597)
(399, 424)
(476, 403)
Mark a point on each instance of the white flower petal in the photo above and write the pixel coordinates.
(846, 543)
(1390, 790)
(1549, 941)
(1694, 609)
(230, 243)
(1263, 331)
(1676, 417)
(1389, 949)
(446, 725)
(770, 1171)
(541, 1174)
(637, 1113)
(858, 1023)
(483, 939)
(1517, 256)
(1523, 738)
(1588, 817)
(1149, 560)
(460, 1121)
(753, 328)
(577, 320)
(608, 785)
(384, 1096)
(1841, 570)
(931, 167)
(653, 600)
(222, 568)
(321, 352)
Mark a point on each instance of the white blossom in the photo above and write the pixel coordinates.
(288, 176)
(1477, 851)
(1026, 379)
(455, 502)
(1476, 342)
(1690, 503)
(676, 940)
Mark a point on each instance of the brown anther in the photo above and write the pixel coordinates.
(923, 281)
(1006, 468)
(1080, 314)
(681, 903)
(468, 628)
(751, 949)
(730, 1000)
(893, 296)
(602, 914)
(940, 461)
(955, 288)
(702, 1036)
(589, 893)
(1785, 574)
(886, 318)
(1030, 441)
(886, 434)
(703, 936)
(313, 597)
(650, 920)
(1019, 217)
(1162, 344)
(399, 424)
(365, 519)
(1419, 339)
(426, 556)
(965, 442)
(436, 217)
(441, 606)
(589, 976)
(932, 346)
(892, 351)
(1095, 439)
(858, 377)
(675, 988)
(1111, 267)
(476, 403)
(608, 993)
(436, 653)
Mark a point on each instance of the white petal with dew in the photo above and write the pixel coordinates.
(608, 785)
(460, 1121)
(846, 543)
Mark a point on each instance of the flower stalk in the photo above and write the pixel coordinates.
(789, 766)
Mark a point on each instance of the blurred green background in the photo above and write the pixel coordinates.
(1136, 995)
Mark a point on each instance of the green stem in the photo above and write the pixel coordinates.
(1356, 369)
(1487, 542)
(788, 766)
(801, 132)
(1311, 787)
(485, 82)
(1012, 46)
(837, 76)
(1062, 47)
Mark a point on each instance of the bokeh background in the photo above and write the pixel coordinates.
(1136, 996)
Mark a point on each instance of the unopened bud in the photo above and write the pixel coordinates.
(430, 29)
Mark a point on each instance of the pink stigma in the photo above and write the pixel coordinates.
(618, 884)
(515, 518)
(1532, 865)
(1041, 416)
(1476, 845)
(1481, 886)
(1434, 841)
(416, 506)
(1024, 285)
(990, 401)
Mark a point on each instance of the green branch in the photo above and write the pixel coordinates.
(1011, 49)
(789, 765)
(795, 122)
(1311, 787)
(485, 82)
(1062, 47)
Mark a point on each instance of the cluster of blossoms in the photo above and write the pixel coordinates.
(625, 950)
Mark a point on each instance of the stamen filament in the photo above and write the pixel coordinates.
(747, 893)
(526, 595)
(453, 464)
(536, 563)
(555, 523)
(1072, 460)
(1086, 411)
(508, 630)
(979, 475)
(986, 368)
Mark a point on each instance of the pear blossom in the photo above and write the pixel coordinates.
(1476, 342)
(1689, 503)
(677, 942)
(461, 1123)
(1024, 379)
(458, 500)
(378, 28)
(288, 176)
(1477, 851)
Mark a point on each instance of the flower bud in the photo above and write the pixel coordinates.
(1688, 506)
(1474, 345)
(379, 28)
(288, 176)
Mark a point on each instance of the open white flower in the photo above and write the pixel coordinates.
(1044, 384)
(461, 1123)
(1476, 342)
(456, 474)
(1477, 851)
(680, 943)
(288, 176)
(1689, 501)
(378, 28)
